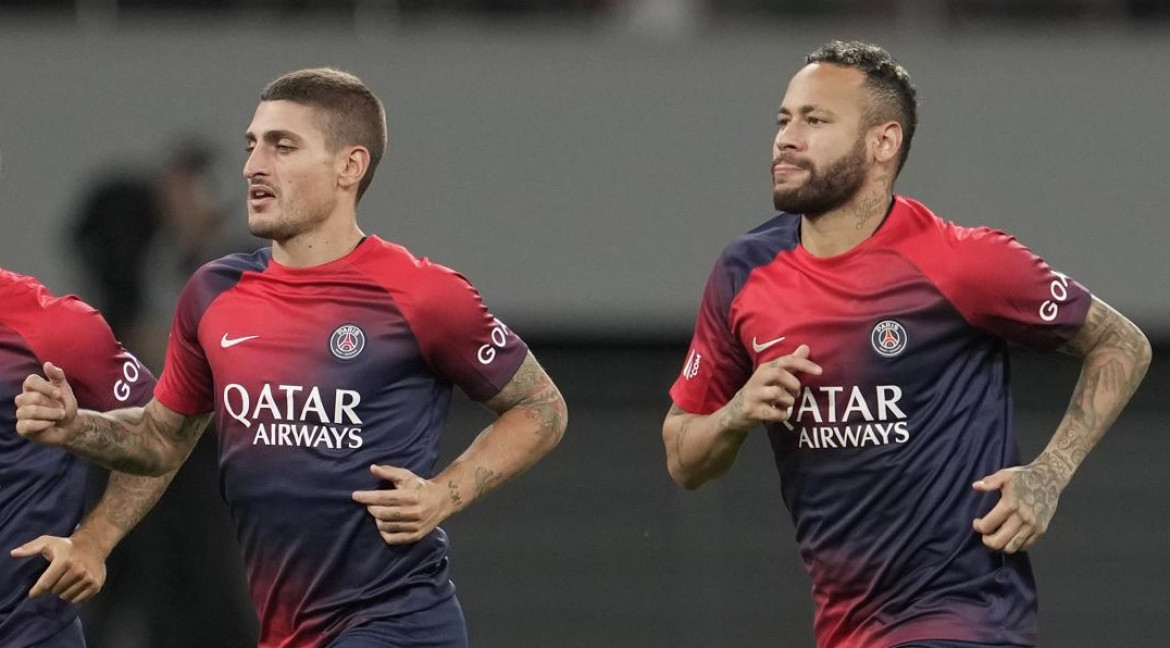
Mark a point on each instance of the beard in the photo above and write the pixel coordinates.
(824, 191)
(273, 231)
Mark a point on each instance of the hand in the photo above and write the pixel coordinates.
(46, 409)
(1028, 498)
(76, 570)
(768, 396)
(407, 512)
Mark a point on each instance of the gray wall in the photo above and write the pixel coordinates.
(586, 178)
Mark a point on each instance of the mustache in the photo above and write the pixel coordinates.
(793, 160)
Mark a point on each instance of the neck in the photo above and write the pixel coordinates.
(315, 247)
(840, 230)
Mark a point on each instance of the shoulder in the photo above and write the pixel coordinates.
(406, 276)
(27, 299)
(234, 265)
(756, 248)
(762, 243)
(215, 277)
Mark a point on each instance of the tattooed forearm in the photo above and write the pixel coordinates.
(486, 480)
(126, 500)
(531, 421)
(453, 490)
(136, 440)
(1116, 356)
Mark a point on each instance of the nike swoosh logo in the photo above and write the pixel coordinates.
(226, 342)
(770, 343)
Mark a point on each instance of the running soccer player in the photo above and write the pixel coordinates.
(328, 361)
(869, 337)
(42, 490)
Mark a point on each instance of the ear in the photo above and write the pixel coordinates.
(887, 141)
(352, 164)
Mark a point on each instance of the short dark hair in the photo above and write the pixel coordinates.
(352, 113)
(894, 95)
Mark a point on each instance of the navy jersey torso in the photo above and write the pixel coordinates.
(313, 375)
(879, 453)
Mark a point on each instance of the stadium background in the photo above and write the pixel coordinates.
(583, 162)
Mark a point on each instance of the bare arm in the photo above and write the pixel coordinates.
(77, 564)
(700, 448)
(150, 440)
(1116, 355)
(532, 420)
(126, 500)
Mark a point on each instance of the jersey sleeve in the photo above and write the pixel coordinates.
(1002, 287)
(186, 383)
(461, 340)
(104, 375)
(716, 365)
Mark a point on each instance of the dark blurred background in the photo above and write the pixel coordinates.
(583, 162)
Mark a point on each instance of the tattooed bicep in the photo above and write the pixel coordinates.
(530, 382)
(1102, 324)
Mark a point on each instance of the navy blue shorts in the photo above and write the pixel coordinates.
(951, 644)
(442, 626)
(70, 637)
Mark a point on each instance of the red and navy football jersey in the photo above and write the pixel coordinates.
(313, 375)
(877, 457)
(42, 490)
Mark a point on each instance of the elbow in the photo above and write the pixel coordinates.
(1146, 353)
(560, 423)
(556, 421)
(686, 479)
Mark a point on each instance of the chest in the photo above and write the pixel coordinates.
(874, 320)
(274, 333)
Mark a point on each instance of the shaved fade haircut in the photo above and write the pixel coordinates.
(350, 113)
(894, 97)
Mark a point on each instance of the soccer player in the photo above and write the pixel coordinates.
(42, 490)
(328, 361)
(870, 338)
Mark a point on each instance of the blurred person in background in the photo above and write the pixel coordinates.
(870, 338)
(130, 222)
(328, 361)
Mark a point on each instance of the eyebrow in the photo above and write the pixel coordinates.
(805, 109)
(272, 136)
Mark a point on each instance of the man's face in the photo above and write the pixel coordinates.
(819, 157)
(291, 171)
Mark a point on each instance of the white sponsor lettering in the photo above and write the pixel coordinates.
(1058, 289)
(303, 435)
(691, 368)
(295, 415)
(499, 339)
(130, 375)
(833, 416)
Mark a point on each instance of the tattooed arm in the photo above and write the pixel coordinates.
(77, 564)
(532, 419)
(1116, 355)
(700, 447)
(150, 440)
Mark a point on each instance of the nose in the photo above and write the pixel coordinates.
(256, 163)
(788, 138)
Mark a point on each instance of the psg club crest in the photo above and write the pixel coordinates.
(888, 338)
(347, 341)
